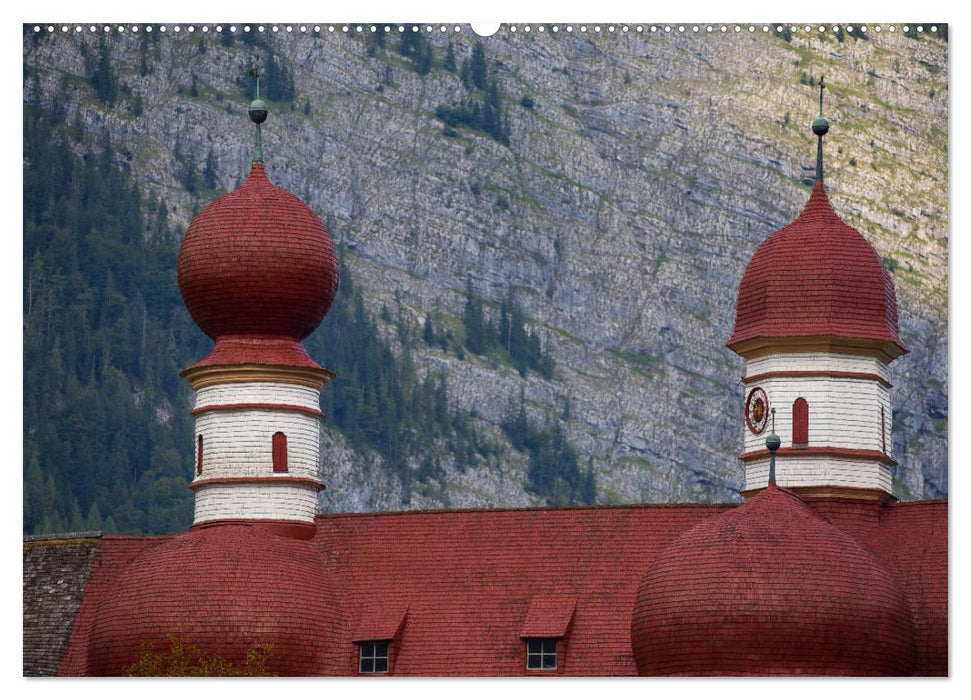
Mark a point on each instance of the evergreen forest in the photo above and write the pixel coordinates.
(107, 430)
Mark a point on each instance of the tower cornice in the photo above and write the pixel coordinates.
(211, 375)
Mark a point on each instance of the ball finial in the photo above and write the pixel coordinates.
(258, 111)
(820, 126)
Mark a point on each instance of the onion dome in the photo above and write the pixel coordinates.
(257, 262)
(224, 589)
(816, 277)
(770, 588)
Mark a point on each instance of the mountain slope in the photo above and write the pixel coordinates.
(613, 186)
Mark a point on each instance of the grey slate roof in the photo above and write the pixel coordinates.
(56, 568)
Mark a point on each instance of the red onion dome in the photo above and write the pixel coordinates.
(818, 276)
(257, 261)
(224, 589)
(770, 588)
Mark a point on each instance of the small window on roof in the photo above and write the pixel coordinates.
(374, 657)
(541, 654)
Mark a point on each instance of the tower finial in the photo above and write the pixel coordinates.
(257, 111)
(820, 127)
(772, 442)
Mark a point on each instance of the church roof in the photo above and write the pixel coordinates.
(457, 590)
(818, 276)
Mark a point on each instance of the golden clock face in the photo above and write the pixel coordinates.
(757, 410)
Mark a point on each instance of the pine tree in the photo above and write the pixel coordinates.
(209, 172)
(449, 63)
(478, 69)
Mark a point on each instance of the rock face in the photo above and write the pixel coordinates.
(642, 172)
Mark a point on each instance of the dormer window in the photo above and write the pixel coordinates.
(541, 654)
(374, 657)
(545, 632)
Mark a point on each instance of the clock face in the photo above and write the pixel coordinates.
(757, 410)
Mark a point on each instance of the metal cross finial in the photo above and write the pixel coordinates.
(257, 111)
(820, 127)
(255, 72)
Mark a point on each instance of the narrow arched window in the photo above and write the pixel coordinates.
(883, 429)
(800, 423)
(199, 456)
(279, 452)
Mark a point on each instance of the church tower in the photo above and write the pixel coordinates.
(257, 272)
(816, 323)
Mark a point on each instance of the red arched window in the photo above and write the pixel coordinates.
(199, 457)
(800, 423)
(279, 452)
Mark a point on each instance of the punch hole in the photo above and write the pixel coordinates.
(485, 29)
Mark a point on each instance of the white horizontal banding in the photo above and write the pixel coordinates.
(848, 398)
(239, 443)
(258, 393)
(844, 411)
(793, 472)
(291, 501)
(817, 361)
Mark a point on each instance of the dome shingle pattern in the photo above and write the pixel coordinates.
(818, 276)
(771, 588)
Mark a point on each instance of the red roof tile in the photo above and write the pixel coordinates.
(548, 617)
(817, 276)
(771, 588)
(462, 587)
(257, 261)
(225, 589)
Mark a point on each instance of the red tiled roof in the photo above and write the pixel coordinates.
(379, 622)
(912, 540)
(225, 589)
(459, 588)
(771, 588)
(548, 617)
(257, 261)
(113, 555)
(258, 350)
(817, 276)
(469, 579)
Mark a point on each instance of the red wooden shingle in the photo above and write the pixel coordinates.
(817, 276)
(257, 261)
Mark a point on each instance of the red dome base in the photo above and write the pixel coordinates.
(224, 589)
(770, 588)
